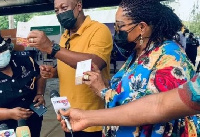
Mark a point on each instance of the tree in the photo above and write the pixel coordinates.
(194, 23)
(20, 17)
(3, 22)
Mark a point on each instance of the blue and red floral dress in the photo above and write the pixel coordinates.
(159, 70)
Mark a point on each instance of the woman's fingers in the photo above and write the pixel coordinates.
(64, 126)
(95, 68)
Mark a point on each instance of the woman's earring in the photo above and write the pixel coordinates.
(141, 40)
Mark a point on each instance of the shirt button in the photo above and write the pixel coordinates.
(13, 80)
(23, 99)
(1, 91)
(20, 91)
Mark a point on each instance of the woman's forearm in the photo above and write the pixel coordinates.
(151, 109)
(4, 114)
(134, 113)
(41, 85)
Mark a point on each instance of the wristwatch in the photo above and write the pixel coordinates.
(55, 49)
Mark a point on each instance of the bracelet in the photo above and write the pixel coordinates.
(40, 94)
(103, 92)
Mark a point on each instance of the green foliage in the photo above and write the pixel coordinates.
(3, 22)
(20, 17)
(194, 25)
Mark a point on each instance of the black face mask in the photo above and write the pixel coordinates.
(125, 47)
(67, 19)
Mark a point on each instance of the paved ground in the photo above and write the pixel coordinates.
(51, 127)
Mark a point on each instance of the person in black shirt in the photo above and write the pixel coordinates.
(20, 86)
(191, 48)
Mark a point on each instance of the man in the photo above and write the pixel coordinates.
(20, 86)
(191, 48)
(182, 37)
(83, 39)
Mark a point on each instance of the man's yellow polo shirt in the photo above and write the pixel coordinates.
(94, 38)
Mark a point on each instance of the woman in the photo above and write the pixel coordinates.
(144, 33)
(20, 86)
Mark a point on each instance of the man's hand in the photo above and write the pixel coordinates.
(39, 40)
(76, 117)
(19, 113)
(48, 71)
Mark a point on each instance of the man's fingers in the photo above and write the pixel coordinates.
(33, 34)
(33, 45)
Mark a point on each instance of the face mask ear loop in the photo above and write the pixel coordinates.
(78, 12)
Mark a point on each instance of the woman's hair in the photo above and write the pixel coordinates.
(165, 23)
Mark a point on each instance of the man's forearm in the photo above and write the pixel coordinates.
(71, 58)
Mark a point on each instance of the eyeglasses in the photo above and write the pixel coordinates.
(67, 44)
(117, 27)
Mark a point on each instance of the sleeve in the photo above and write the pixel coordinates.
(171, 70)
(101, 43)
(190, 93)
(108, 95)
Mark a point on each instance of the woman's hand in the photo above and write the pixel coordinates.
(77, 119)
(94, 79)
(47, 71)
(39, 99)
(19, 113)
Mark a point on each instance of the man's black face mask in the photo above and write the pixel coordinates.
(67, 19)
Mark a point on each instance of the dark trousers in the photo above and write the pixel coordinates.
(35, 124)
(84, 134)
(198, 67)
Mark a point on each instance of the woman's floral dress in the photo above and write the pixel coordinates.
(161, 69)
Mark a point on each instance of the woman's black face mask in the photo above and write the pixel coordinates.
(121, 41)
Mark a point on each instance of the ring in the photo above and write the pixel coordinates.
(31, 40)
(86, 77)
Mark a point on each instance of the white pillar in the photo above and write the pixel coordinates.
(11, 21)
